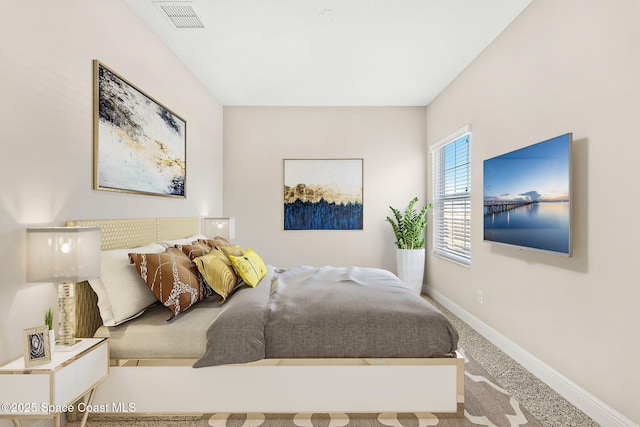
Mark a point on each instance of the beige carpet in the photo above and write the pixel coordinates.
(486, 404)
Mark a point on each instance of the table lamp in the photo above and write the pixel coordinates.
(223, 227)
(63, 255)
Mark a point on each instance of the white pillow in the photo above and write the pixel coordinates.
(122, 294)
(185, 241)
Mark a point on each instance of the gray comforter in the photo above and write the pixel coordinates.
(327, 312)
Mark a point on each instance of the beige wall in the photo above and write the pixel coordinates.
(559, 68)
(256, 140)
(46, 49)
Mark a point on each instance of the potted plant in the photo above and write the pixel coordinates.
(48, 320)
(408, 228)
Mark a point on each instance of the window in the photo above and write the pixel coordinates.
(452, 197)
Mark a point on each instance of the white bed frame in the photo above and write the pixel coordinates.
(269, 386)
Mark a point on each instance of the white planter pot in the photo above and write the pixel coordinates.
(410, 264)
(52, 340)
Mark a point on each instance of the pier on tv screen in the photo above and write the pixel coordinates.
(527, 197)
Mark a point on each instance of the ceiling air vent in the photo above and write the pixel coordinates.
(182, 15)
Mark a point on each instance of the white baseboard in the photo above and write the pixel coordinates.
(595, 408)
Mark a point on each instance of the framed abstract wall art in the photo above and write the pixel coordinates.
(323, 194)
(139, 144)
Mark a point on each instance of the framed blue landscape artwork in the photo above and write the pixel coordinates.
(323, 194)
(139, 144)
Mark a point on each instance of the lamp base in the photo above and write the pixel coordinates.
(68, 347)
(66, 314)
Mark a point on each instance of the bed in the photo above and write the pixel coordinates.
(172, 366)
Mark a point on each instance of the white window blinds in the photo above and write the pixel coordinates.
(451, 170)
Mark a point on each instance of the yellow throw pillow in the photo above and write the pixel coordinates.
(250, 267)
(216, 270)
(235, 250)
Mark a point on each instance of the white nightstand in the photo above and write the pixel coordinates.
(45, 391)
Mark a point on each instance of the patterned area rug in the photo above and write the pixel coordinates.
(486, 404)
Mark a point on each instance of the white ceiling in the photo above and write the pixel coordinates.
(330, 52)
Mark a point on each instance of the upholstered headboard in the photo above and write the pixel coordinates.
(128, 233)
(120, 234)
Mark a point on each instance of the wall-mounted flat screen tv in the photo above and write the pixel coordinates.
(527, 197)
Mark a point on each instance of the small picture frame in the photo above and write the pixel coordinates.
(37, 350)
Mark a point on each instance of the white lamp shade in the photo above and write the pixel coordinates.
(63, 254)
(223, 227)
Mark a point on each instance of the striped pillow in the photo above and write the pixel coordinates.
(235, 250)
(215, 242)
(216, 270)
(195, 249)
